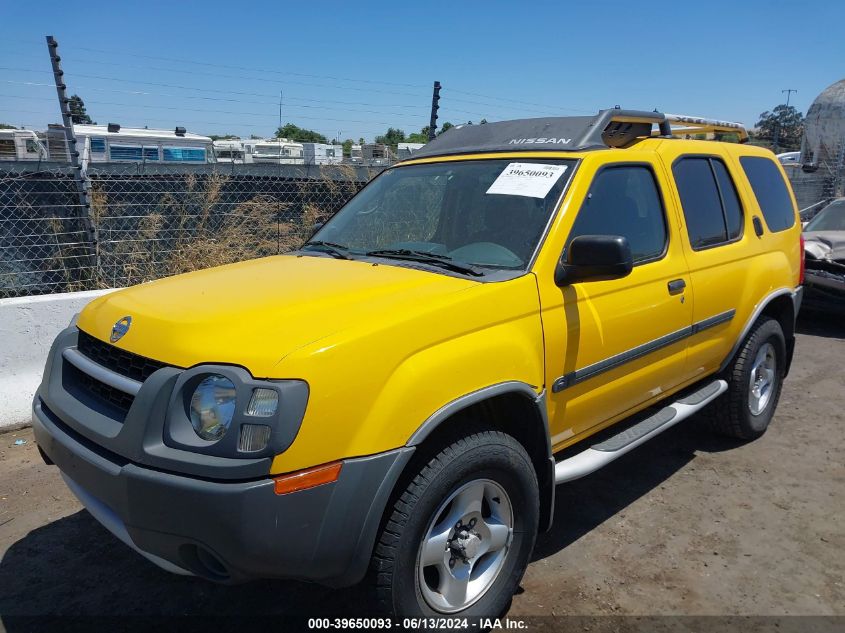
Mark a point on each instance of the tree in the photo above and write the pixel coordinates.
(445, 127)
(6, 126)
(419, 137)
(783, 127)
(392, 137)
(296, 133)
(225, 137)
(347, 147)
(77, 111)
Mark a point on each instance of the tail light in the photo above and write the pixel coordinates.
(803, 264)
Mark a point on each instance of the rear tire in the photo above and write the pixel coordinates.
(754, 379)
(458, 538)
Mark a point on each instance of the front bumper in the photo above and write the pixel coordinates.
(227, 529)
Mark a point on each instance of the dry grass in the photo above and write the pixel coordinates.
(197, 228)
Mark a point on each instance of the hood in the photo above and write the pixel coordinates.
(254, 313)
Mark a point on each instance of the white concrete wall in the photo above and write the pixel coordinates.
(28, 326)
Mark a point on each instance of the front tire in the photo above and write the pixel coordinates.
(457, 540)
(754, 381)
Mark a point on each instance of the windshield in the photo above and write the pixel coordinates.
(831, 218)
(486, 213)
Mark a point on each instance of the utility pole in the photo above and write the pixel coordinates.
(776, 135)
(79, 176)
(788, 92)
(280, 109)
(435, 106)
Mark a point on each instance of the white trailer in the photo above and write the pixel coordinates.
(279, 151)
(322, 154)
(115, 144)
(232, 151)
(21, 145)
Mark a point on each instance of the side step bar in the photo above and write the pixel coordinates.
(601, 454)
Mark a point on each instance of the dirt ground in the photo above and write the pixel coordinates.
(688, 524)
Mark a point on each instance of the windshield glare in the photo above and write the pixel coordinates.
(446, 209)
(831, 218)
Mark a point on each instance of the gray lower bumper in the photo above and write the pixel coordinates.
(235, 530)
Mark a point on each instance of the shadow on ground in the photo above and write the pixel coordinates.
(74, 567)
(826, 324)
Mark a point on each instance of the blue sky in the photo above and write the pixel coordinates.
(358, 68)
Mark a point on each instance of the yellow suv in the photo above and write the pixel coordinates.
(516, 306)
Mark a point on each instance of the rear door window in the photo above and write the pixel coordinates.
(712, 210)
(770, 190)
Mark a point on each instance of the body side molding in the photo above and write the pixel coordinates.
(590, 371)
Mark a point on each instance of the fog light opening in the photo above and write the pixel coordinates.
(254, 438)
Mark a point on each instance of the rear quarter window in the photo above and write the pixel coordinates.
(771, 192)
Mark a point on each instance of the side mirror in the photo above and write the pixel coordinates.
(317, 226)
(595, 258)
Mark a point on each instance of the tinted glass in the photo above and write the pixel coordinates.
(445, 209)
(831, 218)
(625, 201)
(733, 210)
(771, 192)
(98, 145)
(125, 152)
(700, 201)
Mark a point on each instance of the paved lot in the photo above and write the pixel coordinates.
(687, 524)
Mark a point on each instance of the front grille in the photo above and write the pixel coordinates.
(119, 361)
(95, 394)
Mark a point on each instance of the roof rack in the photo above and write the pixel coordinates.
(700, 125)
(609, 128)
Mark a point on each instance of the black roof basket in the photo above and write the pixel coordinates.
(609, 128)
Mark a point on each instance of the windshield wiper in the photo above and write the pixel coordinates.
(436, 259)
(338, 251)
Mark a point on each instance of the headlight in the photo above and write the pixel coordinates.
(213, 407)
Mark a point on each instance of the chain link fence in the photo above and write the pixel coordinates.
(146, 221)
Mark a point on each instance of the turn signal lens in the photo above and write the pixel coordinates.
(308, 478)
(263, 404)
(254, 437)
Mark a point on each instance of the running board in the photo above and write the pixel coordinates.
(601, 454)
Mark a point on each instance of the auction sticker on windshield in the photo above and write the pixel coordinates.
(533, 180)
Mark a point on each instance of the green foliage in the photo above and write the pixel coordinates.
(77, 111)
(785, 122)
(392, 137)
(347, 147)
(296, 133)
(225, 137)
(6, 126)
(445, 127)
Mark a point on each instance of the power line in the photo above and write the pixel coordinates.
(251, 69)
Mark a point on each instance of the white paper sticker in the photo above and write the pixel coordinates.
(533, 180)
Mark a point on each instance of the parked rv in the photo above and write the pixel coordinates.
(231, 151)
(21, 145)
(322, 153)
(113, 143)
(280, 151)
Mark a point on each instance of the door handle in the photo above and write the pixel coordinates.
(676, 286)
